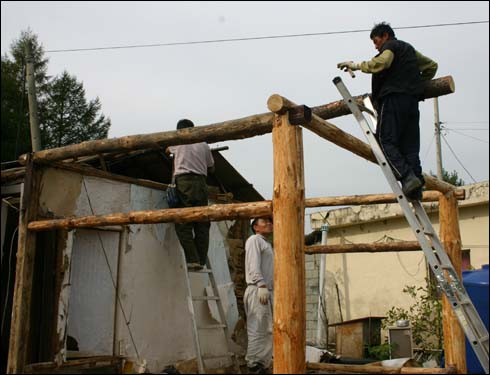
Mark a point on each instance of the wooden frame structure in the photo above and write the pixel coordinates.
(287, 207)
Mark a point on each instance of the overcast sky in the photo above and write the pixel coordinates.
(145, 90)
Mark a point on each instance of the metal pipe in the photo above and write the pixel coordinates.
(320, 323)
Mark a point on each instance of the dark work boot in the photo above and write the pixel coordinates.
(416, 195)
(410, 183)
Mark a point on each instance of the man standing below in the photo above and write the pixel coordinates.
(191, 166)
(398, 71)
(258, 297)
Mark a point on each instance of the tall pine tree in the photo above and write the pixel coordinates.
(67, 117)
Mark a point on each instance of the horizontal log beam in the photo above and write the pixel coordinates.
(363, 248)
(214, 212)
(427, 196)
(246, 127)
(333, 368)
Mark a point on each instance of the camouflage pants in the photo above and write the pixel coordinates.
(194, 237)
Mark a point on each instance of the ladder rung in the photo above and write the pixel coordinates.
(205, 298)
(483, 339)
(229, 354)
(213, 326)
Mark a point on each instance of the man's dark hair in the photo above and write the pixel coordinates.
(381, 28)
(185, 124)
(254, 221)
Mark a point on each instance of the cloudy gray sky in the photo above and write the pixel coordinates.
(146, 90)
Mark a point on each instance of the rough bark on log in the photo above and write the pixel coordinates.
(454, 337)
(229, 130)
(289, 267)
(214, 213)
(363, 248)
(334, 368)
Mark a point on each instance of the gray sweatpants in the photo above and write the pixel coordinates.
(259, 328)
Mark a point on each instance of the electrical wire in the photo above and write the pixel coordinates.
(112, 276)
(428, 148)
(454, 154)
(257, 38)
(468, 136)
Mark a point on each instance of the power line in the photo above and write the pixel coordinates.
(258, 37)
(428, 148)
(464, 122)
(445, 140)
(468, 136)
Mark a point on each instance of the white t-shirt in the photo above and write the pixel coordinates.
(194, 158)
(259, 262)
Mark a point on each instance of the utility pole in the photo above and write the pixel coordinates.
(437, 124)
(31, 95)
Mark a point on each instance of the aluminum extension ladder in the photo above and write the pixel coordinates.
(437, 258)
(195, 327)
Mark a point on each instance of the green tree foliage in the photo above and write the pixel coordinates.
(15, 108)
(67, 117)
(451, 178)
(425, 316)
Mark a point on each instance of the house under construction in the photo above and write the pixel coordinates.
(99, 280)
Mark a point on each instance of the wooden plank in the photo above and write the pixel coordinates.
(19, 332)
(90, 171)
(229, 130)
(454, 337)
(289, 270)
(364, 248)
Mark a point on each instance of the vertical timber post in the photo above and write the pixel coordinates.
(21, 306)
(454, 338)
(289, 265)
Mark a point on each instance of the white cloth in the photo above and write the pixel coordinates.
(259, 262)
(194, 158)
(259, 328)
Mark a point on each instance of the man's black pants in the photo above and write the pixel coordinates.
(398, 133)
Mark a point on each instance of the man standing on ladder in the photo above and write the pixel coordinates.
(191, 166)
(258, 297)
(398, 71)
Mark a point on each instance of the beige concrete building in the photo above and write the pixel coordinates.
(361, 285)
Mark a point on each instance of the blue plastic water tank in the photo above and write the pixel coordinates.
(476, 284)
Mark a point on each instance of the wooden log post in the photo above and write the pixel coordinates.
(21, 307)
(289, 265)
(454, 337)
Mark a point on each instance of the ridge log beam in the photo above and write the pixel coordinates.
(246, 127)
